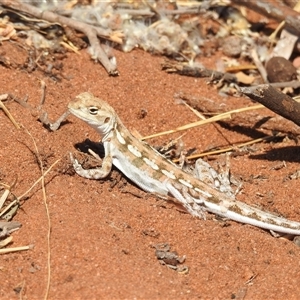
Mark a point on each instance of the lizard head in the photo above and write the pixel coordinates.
(94, 111)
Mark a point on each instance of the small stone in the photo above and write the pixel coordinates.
(232, 46)
(280, 69)
(296, 62)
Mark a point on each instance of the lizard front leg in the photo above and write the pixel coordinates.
(96, 173)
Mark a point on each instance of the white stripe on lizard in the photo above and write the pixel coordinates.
(154, 173)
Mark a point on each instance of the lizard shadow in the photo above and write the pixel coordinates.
(97, 147)
(252, 131)
(287, 153)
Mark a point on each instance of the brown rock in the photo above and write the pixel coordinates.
(280, 69)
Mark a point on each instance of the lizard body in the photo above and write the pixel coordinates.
(155, 174)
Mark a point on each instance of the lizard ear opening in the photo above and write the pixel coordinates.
(107, 120)
(93, 110)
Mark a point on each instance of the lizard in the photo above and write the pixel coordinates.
(153, 173)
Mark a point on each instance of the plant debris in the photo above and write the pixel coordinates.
(170, 258)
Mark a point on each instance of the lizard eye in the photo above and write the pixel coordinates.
(93, 110)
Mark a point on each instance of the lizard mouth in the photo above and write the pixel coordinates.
(77, 112)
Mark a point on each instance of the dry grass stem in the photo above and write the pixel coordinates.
(195, 111)
(37, 181)
(8, 188)
(228, 149)
(47, 213)
(15, 203)
(4, 197)
(259, 65)
(6, 241)
(281, 25)
(42, 178)
(15, 249)
(8, 207)
(70, 47)
(222, 116)
(9, 114)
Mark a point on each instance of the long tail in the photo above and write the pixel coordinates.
(233, 210)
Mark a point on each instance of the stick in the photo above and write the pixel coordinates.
(41, 178)
(274, 100)
(259, 64)
(9, 115)
(16, 249)
(295, 84)
(186, 70)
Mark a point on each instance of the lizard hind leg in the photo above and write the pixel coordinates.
(219, 181)
(195, 206)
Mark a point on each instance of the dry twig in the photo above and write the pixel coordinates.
(4, 97)
(16, 249)
(276, 101)
(149, 13)
(228, 149)
(222, 116)
(187, 70)
(47, 213)
(295, 84)
(258, 64)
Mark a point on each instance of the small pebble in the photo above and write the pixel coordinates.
(280, 69)
(232, 46)
(296, 62)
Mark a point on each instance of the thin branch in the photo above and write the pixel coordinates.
(228, 149)
(194, 71)
(37, 181)
(219, 117)
(274, 100)
(259, 65)
(295, 84)
(4, 97)
(47, 211)
(16, 249)
(149, 13)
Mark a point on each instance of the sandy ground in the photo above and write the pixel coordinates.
(102, 237)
